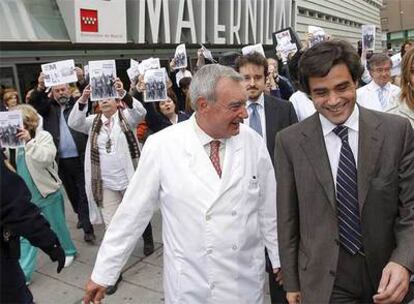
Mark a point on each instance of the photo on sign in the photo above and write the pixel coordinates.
(180, 57)
(317, 35)
(286, 43)
(256, 48)
(155, 85)
(10, 124)
(368, 37)
(102, 75)
(59, 72)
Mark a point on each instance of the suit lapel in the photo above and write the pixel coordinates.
(370, 141)
(313, 145)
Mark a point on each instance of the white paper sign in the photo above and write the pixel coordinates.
(285, 45)
(133, 71)
(318, 35)
(102, 75)
(148, 64)
(207, 54)
(256, 48)
(180, 57)
(10, 124)
(59, 72)
(155, 85)
(368, 37)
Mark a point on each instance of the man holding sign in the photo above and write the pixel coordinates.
(70, 145)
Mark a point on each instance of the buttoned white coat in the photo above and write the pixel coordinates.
(367, 96)
(214, 230)
(80, 122)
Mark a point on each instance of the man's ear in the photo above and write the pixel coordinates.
(202, 104)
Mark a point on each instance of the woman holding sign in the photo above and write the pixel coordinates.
(35, 163)
(111, 155)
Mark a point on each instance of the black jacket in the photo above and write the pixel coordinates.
(19, 217)
(50, 110)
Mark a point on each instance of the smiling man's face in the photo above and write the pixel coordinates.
(334, 95)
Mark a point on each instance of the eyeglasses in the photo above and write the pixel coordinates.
(382, 70)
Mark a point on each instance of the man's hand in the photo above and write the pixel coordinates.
(93, 293)
(85, 95)
(279, 275)
(393, 285)
(79, 74)
(293, 297)
(41, 82)
(140, 84)
(119, 87)
(57, 254)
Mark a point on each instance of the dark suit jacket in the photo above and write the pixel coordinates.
(306, 204)
(279, 115)
(50, 110)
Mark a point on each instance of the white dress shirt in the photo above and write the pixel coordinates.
(260, 110)
(303, 105)
(333, 143)
(367, 96)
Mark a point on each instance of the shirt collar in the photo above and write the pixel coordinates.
(259, 101)
(352, 122)
(203, 136)
(376, 87)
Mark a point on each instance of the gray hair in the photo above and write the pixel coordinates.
(377, 59)
(205, 81)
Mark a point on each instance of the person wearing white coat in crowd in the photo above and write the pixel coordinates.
(380, 94)
(216, 186)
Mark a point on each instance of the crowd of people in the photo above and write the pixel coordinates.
(297, 169)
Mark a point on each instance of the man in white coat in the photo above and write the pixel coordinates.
(380, 94)
(215, 183)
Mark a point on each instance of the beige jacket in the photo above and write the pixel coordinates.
(40, 155)
(401, 108)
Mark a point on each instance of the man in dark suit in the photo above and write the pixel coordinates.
(70, 145)
(267, 115)
(19, 217)
(345, 197)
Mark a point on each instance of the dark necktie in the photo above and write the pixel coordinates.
(215, 156)
(349, 223)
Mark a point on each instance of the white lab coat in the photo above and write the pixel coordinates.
(214, 230)
(367, 96)
(78, 121)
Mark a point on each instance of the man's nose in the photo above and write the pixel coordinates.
(244, 114)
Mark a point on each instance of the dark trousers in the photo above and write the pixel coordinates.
(352, 283)
(147, 235)
(13, 283)
(277, 293)
(71, 172)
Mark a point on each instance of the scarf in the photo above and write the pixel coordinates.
(96, 176)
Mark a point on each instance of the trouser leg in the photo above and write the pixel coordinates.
(13, 289)
(28, 255)
(73, 178)
(54, 213)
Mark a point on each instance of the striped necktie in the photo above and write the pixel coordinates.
(349, 223)
(381, 97)
(255, 122)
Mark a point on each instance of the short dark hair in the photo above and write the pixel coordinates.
(185, 82)
(228, 58)
(254, 58)
(318, 60)
(377, 58)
